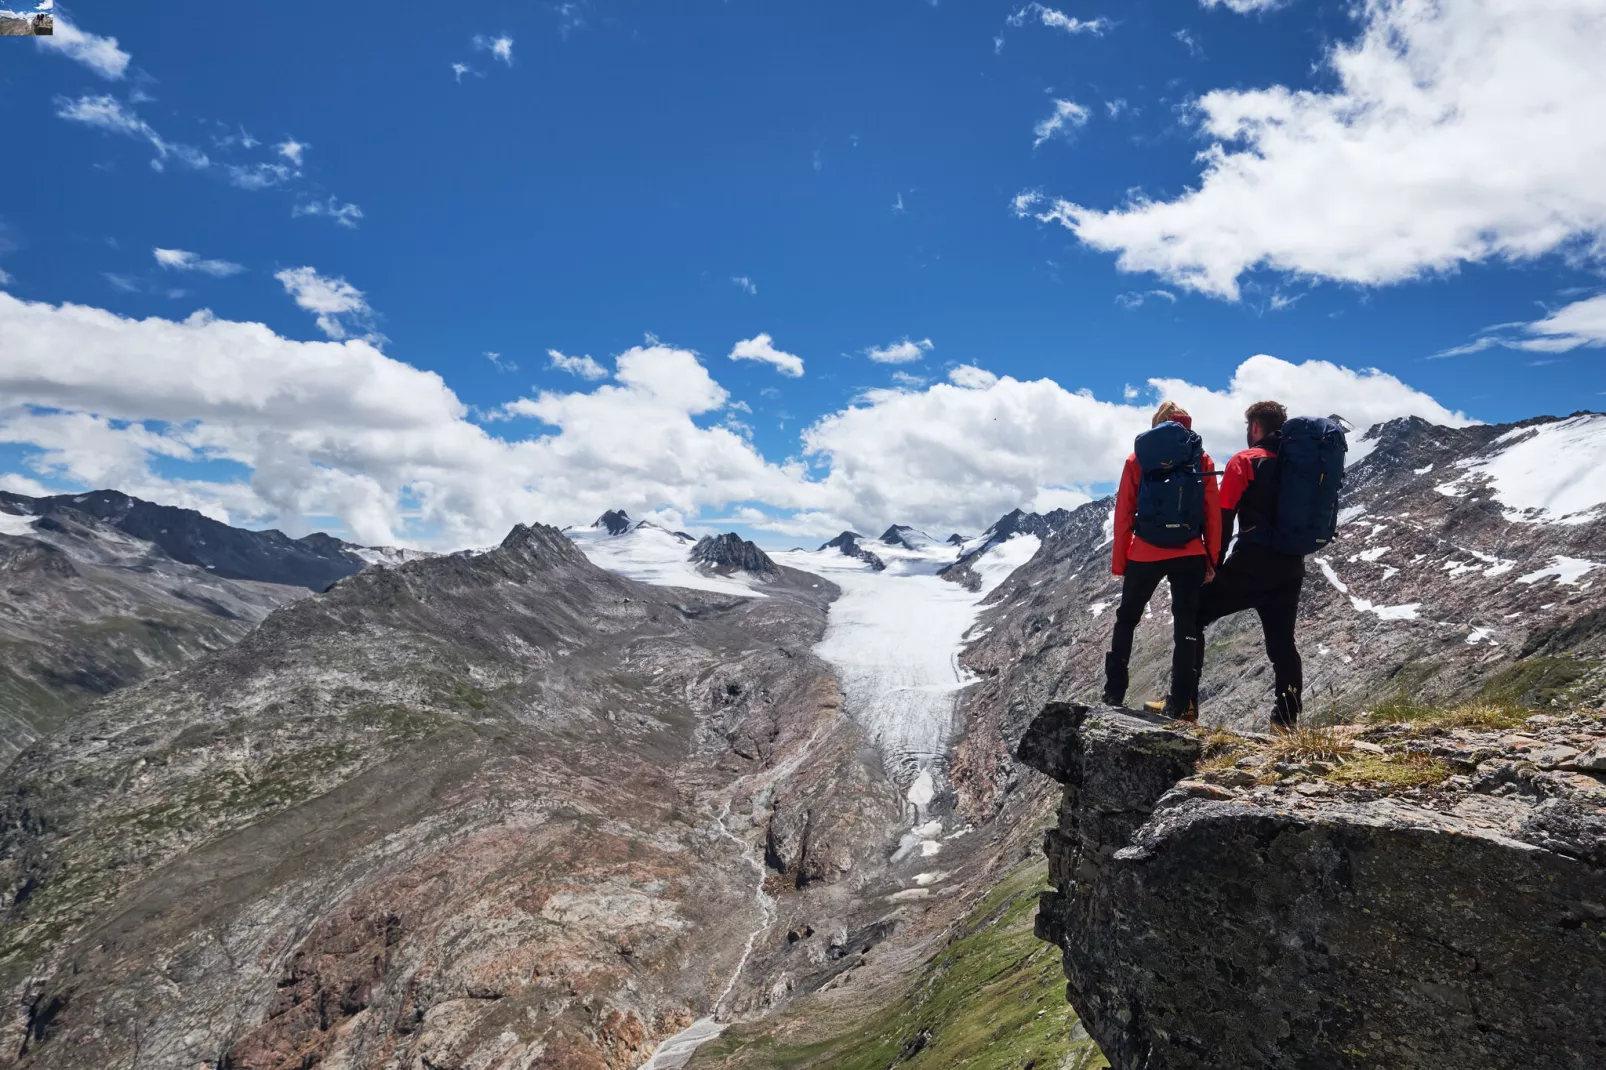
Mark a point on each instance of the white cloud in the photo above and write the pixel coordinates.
(108, 113)
(6, 278)
(1188, 42)
(1116, 107)
(584, 367)
(1139, 299)
(338, 305)
(905, 379)
(1581, 324)
(902, 351)
(745, 284)
(762, 348)
(99, 54)
(340, 429)
(258, 176)
(179, 260)
(1066, 117)
(346, 215)
(292, 150)
(502, 364)
(1460, 131)
(499, 47)
(1244, 7)
(897, 205)
(1057, 20)
(460, 69)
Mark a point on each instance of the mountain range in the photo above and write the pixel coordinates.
(558, 802)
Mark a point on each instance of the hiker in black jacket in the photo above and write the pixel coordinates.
(1256, 576)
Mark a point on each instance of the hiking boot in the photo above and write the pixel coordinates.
(1174, 710)
(1115, 681)
(1290, 704)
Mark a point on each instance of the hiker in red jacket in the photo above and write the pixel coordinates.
(1256, 576)
(1142, 563)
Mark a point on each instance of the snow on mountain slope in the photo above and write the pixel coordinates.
(12, 524)
(653, 555)
(1553, 472)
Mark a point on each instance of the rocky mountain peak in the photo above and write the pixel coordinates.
(731, 553)
(848, 544)
(956, 539)
(544, 543)
(614, 522)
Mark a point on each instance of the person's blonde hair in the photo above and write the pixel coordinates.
(1167, 410)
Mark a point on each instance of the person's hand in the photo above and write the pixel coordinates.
(1210, 571)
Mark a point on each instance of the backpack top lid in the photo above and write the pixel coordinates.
(1317, 427)
(1166, 447)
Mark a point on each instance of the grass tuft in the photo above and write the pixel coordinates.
(1309, 743)
(1390, 771)
(1484, 715)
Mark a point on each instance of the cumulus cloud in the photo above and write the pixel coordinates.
(499, 47)
(1460, 131)
(762, 348)
(180, 260)
(1057, 20)
(902, 351)
(292, 150)
(338, 428)
(338, 305)
(744, 284)
(460, 69)
(584, 367)
(99, 54)
(1066, 117)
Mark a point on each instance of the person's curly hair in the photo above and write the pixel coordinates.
(1270, 415)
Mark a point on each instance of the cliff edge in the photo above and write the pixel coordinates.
(1396, 896)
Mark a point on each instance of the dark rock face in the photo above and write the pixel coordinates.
(732, 553)
(615, 521)
(313, 562)
(1298, 926)
(848, 543)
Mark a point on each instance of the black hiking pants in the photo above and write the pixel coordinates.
(1261, 579)
(1186, 575)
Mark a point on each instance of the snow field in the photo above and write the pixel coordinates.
(653, 555)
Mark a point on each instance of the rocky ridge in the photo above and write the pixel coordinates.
(86, 608)
(313, 561)
(1393, 895)
(502, 807)
(848, 544)
(729, 553)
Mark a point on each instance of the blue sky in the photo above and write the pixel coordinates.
(875, 174)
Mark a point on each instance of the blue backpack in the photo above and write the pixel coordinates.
(1171, 490)
(1310, 477)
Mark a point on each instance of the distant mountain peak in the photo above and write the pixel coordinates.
(848, 544)
(730, 553)
(615, 521)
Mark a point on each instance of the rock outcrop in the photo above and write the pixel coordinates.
(1283, 911)
(848, 544)
(724, 554)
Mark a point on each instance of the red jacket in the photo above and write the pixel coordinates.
(1128, 547)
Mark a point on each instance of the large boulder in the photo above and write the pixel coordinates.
(1263, 916)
